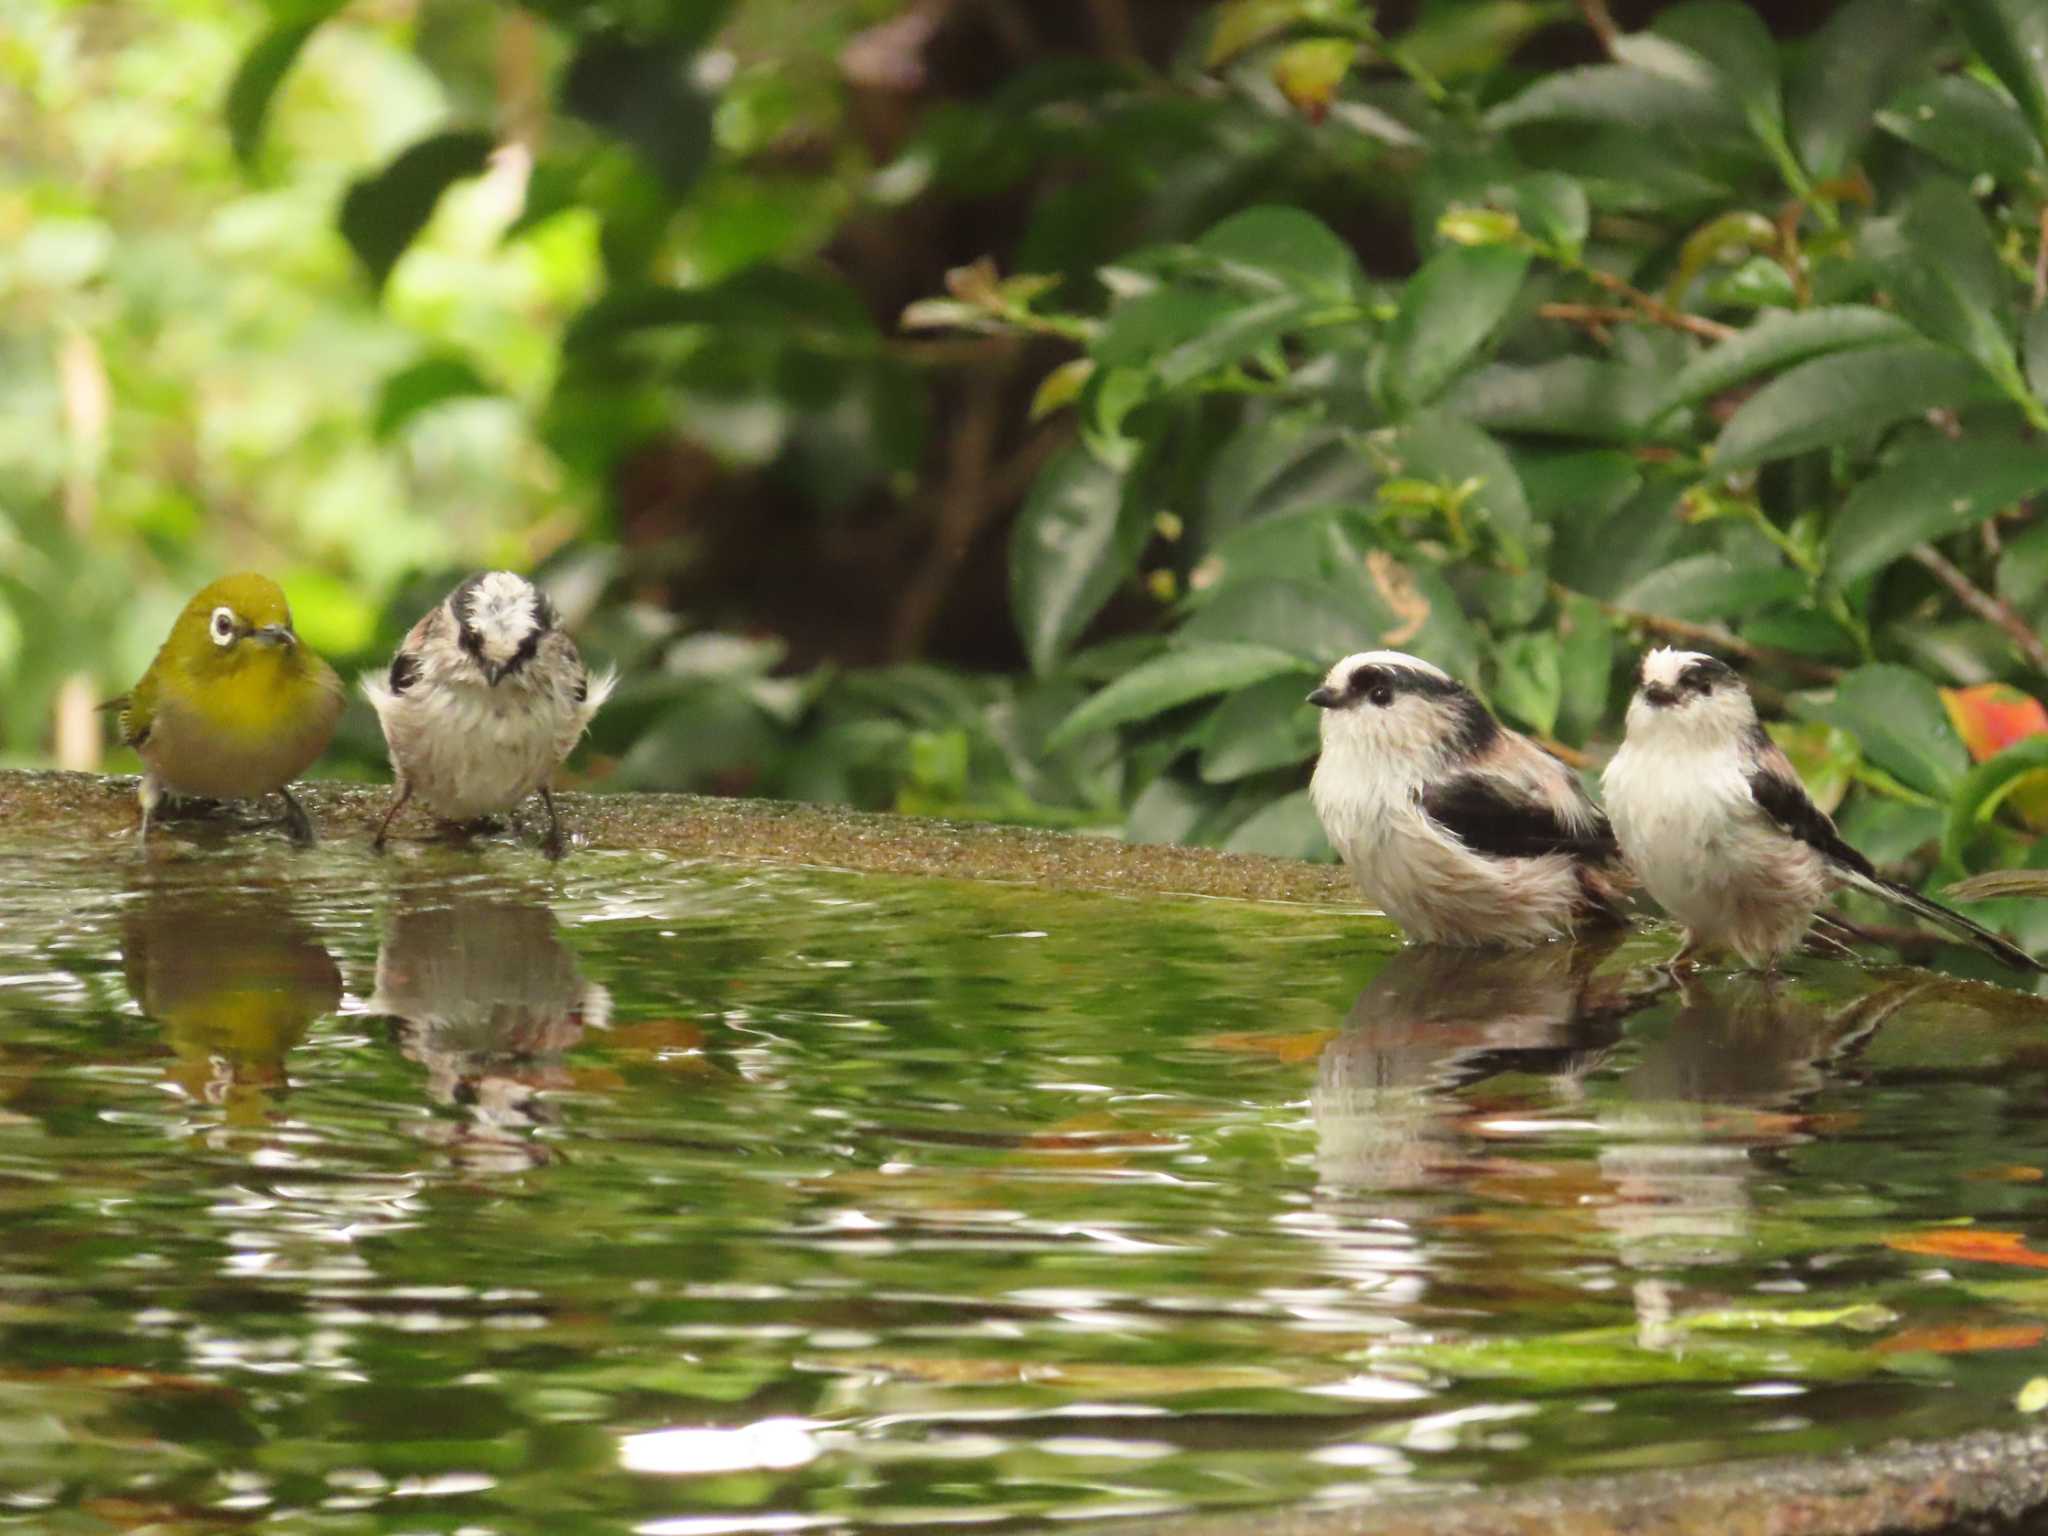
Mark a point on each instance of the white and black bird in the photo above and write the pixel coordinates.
(1461, 830)
(1719, 829)
(484, 699)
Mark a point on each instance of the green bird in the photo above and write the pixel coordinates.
(233, 707)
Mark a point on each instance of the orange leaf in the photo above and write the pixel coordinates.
(1963, 1339)
(1992, 716)
(1968, 1243)
(2005, 1173)
(1303, 1047)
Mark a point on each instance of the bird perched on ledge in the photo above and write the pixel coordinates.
(1461, 830)
(484, 699)
(233, 707)
(1715, 821)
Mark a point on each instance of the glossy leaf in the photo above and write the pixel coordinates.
(2011, 36)
(1898, 717)
(1528, 680)
(1844, 398)
(1315, 624)
(1937, 260)
(1712, 587)
(1934, 489)
(1966, 125)
(1777, 341)
(1265, 726)
(1629, 97)
(1296, 249)
(1075, 542)
(1861, 57)
(1986, 788)
(1192, 671)
(1449, 310)
(1738, 47)
(381, 213)
(1440, 448)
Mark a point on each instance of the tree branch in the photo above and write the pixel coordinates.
(1985, 606)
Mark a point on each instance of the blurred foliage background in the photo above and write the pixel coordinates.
(1005, 409)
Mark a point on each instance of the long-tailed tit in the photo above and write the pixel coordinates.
(482, 702)
(1461, 830)
(1720, 830)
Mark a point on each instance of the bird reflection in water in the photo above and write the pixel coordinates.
(232, 976)
(1725, 1079)
(484, 994)
(1438, 1018)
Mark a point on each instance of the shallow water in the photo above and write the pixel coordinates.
(458, 1192)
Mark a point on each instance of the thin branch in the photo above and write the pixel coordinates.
(1601, 22)
(1650, 307)
(2041, 262)
(1985, 606)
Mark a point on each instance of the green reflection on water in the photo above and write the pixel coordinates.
(456, 1191)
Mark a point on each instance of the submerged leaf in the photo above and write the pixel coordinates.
(1971, 1245)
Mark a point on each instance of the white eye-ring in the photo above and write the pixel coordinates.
(223, 626)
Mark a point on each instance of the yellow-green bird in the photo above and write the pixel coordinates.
(233, 707)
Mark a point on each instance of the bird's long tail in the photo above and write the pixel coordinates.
(1971, 932)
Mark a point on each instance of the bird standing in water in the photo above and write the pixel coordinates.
(233, 707)
(1461, 830)
(484, 699)
(1715, 821)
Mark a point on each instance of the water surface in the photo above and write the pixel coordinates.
(454, 1191)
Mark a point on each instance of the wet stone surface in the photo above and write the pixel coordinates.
(457, 1190)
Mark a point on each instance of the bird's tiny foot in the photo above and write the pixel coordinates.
(188, 808)
(296, 822)
(554, 844)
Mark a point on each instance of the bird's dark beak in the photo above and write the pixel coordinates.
(275, 634)
(1324, 698)
(493, 671)
(1659, 695)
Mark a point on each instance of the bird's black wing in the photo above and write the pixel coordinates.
(1779, 794)
(1489, 816)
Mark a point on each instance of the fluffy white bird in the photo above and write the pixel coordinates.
(1461, 830)
(1717, 825)
(482, 702)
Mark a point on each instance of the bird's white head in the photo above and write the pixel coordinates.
(500, 620)
(1401, 711)
(1689, 695)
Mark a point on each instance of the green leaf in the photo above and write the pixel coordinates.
(1529, 679)
(422, 386)
(1898, 717)
(1859, 59)
(1075, 542)
(1575, 397)
(1586, 667)
(1266, 726)
(1711, 587)
(1286, 829)
(1738, 46)
(381, 213)
(1846, 397)
(1312, 623)
(1937, 260)
(1448, 312)
(1936, 488)
(644, 95)
(1184, 674)
(1966, 125)
(1774, 341)
(1440, 448)
(1983, 790)
(261, 72)
(1237, 334)
(2035, 336)
(2011, 36)
(1296, 248)
(1628, 97)
(1553, 207)
(1143, 329)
